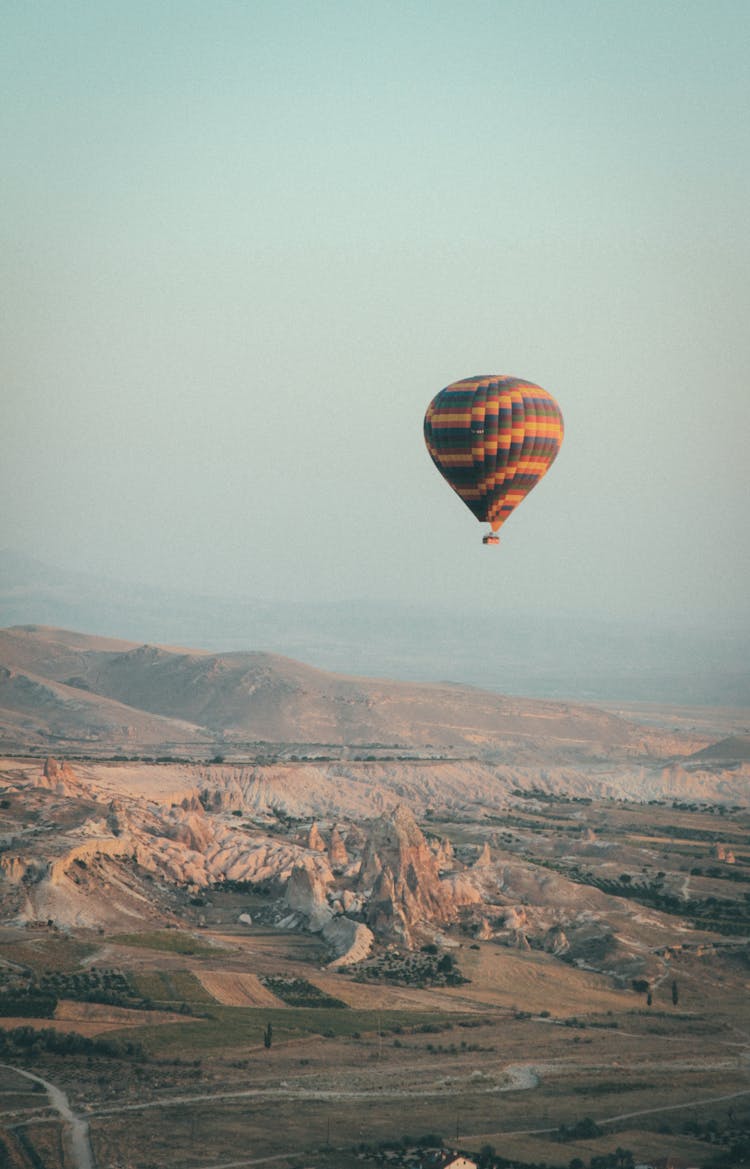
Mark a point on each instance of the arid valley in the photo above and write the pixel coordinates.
(255, 913)
(374, 607)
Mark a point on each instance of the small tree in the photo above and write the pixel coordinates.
(268, 1035)
(675, 993)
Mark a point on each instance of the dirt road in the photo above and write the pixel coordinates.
(75, 1127)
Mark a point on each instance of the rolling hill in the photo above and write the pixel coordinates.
(66, 689)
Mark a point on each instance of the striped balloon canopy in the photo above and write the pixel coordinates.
(493, 438)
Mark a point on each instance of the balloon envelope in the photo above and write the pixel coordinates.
(493, 438)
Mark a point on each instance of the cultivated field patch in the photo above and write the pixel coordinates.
(237, 990)
(168, 941)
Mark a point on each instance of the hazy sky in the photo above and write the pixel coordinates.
(245, 244)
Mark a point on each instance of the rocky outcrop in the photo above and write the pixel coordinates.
(337, 854)
(484, 860)
(306, 894)
(321, 910)
(350, 940)
(16, 868)
(191, 829)
(462, 890)
(84, 852)
(315, 841)
(444, 854)
(116, 820)
(134, 834)
(555, 941)
(370, 869)
(351, 902)
(516, 918)
(402, 871)
(483, 930)
(51, 768)
(57, 777)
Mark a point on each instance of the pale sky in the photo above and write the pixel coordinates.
(245, 243)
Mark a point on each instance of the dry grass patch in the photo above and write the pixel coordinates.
(237, 990)
(536, 982)
(88, 1028)
(168, 941)
(386, 997)
(95, 1018)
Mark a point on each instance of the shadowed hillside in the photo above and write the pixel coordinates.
(62, 686)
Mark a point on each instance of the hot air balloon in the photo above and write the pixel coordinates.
(493, 438)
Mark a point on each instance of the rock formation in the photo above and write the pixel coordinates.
(406, 887)
(463, 888)
(57, 777)
(337, 854)
(555, 941)
(315, 841)
(483, 930)
(191, 829)
(350, 940)
(122, 842)
(306, 894)
(484, 860)
(444, 853)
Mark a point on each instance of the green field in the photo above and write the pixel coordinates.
(168, 942)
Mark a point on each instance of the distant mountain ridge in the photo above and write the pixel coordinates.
(57, 685)
(733, 749)
(512, 650)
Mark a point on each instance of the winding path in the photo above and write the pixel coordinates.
(519, 1077)
(76, 1127)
